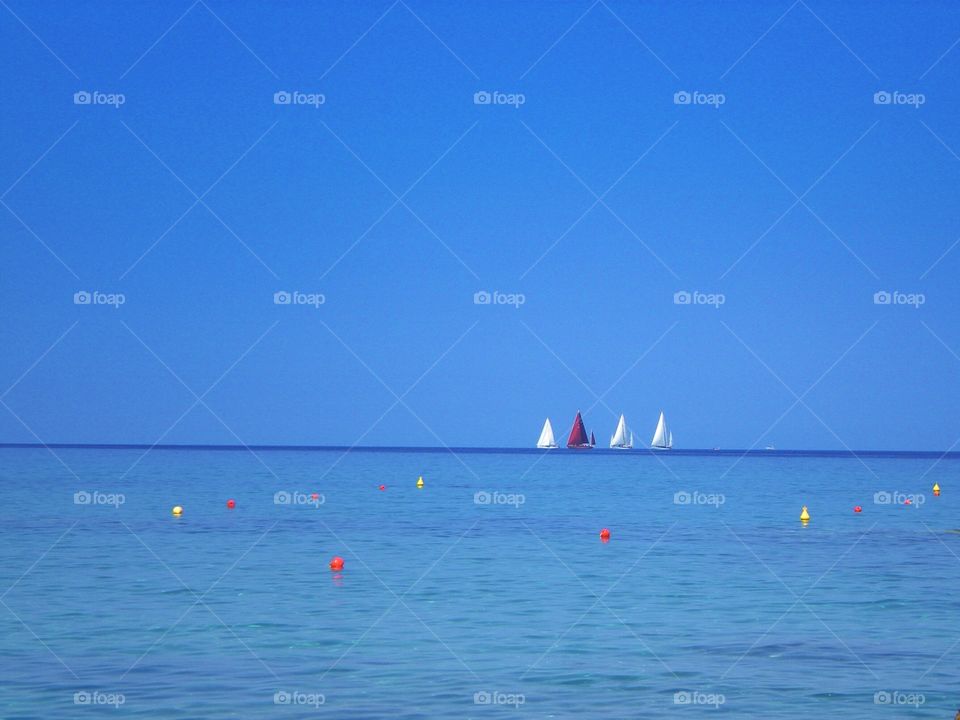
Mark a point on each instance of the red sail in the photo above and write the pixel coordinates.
(578, 434)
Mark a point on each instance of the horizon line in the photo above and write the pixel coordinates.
(945, 454)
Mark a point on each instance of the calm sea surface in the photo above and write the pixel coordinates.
(486, 594)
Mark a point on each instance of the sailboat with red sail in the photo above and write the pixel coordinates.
(578, 439)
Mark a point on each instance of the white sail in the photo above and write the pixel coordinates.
(619, 439)
(662, 437)
(546, 436)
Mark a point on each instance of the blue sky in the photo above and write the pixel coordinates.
(795, 195)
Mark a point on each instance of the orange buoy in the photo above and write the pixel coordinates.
(605, 534)
(858, 508)
(383, 487)
(936, 489)
(231, 503)
(314, 496)
(337, 563)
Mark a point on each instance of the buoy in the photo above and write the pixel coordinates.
(420, 481)
(314, 496)
(336, 564)
(936, 489)
(804, 515)
(231, 503)
(177, 511)
(605, 534)
(383, 487)
(858, 508)
(908, 501)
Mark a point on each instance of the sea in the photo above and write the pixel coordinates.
(486, 593)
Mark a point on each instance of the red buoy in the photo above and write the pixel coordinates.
(315, 496)
(231, 503)
(605, 534)
(858, 508)
(336, 564)
(383, 487)
(908, 501)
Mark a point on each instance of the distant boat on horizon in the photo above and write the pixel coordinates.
(621, 440)
(578, 439)
(547, 441)
(662, 436)
(593, 440)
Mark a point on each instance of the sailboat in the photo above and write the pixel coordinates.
(593, 440)
(578, 439)
(662, 437)
(546, 440)
(620, 439)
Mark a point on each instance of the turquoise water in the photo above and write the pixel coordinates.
(450, 607)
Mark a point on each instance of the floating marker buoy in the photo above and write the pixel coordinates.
(804, 515)
(231, 503)
(908, 501)
(177, 511)
(858, 508)
(314, 496)
(383, 487)
(605, 534)
(936, 489)
(336, 564)
(420, 481)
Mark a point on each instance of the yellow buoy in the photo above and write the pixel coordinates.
(804, 515)
(936, 489)
(420, 482)
(177, 511)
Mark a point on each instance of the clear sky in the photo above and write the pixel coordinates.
(587, 189)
